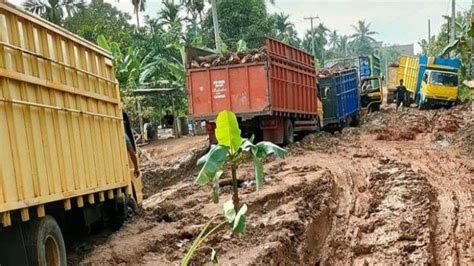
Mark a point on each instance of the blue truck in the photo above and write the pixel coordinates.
(368, 75)
(340, 97)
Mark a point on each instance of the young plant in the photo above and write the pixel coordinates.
(230, 150)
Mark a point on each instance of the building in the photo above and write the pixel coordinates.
(405, 49)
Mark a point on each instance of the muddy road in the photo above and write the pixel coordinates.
(396, 190)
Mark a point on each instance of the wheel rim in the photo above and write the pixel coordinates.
(52, 251)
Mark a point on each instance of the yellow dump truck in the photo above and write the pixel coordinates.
(392, 82)
(430, 80)
(63, 158)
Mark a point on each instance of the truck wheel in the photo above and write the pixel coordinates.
(120, 212)
(288, 134)
(44, 242)
(355, 120)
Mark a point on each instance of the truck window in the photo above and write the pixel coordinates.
(445, 79)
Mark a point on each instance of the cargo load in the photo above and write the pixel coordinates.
(273, 95)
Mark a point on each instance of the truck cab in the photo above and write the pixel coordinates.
(438, 86)
(371, 94)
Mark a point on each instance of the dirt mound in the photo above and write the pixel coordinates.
(338, 199)
(166, 162)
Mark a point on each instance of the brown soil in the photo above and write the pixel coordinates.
(397, 190)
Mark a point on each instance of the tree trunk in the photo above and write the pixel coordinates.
(138, 20)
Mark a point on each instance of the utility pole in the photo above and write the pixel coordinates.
(429, 37)
(453, 23)
(313, 48)
(453, 20)
(216, 25)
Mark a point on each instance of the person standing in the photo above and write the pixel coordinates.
(131, 149)
(400, 93)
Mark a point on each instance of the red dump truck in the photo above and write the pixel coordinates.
(273, 98)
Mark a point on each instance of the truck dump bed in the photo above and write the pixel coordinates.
(408, 71)
(283, 84)
(340, 96)
(61, 128)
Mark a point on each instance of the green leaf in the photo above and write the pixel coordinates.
(265, 148)
(103, 43)
(240, 220)
(247, 145)
(228, 131)
(241, 46)
(205, 157)
(258, 171)
(229, 211)
(214, 162)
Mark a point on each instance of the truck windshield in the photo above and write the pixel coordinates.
(445, 79)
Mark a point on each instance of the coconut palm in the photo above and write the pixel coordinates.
(169, 15)
(54, 10)
(363, 32)
(320, 40)
(194, 7)
(138, 6)
(343, 45)
(362, 40)
(333, 39)
(282, 24)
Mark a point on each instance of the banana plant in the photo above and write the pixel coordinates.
(231, 150)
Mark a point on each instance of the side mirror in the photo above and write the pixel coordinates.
(383, 78)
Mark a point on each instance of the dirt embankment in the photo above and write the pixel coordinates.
(397, 190)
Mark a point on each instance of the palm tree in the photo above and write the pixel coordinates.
(320, 40)
(138, 6)
(54, 10)
(362, 40)
(343, 44)
(363, 32)
(333, 39)
(169, 15)
(282, 25)
(194, 7)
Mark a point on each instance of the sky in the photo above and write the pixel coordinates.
(395, 21)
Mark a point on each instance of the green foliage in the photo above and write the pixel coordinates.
(239, 19)
(319, 34)
(54, 10)
(213, 162)
(230, 151)
(284, 30)
(240, 221)
(241, 46)
(362, 40)
(100, 18)
(228, 131)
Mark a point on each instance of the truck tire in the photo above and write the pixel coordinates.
(119, 212)
(288, 133)
(44, 242)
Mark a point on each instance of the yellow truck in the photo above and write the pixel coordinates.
(63, 158)
(392, 82)
(430, 80)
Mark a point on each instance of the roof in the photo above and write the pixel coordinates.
(469, 83)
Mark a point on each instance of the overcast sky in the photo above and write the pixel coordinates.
(395, 21)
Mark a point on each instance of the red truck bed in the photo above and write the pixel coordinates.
(283, 85)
